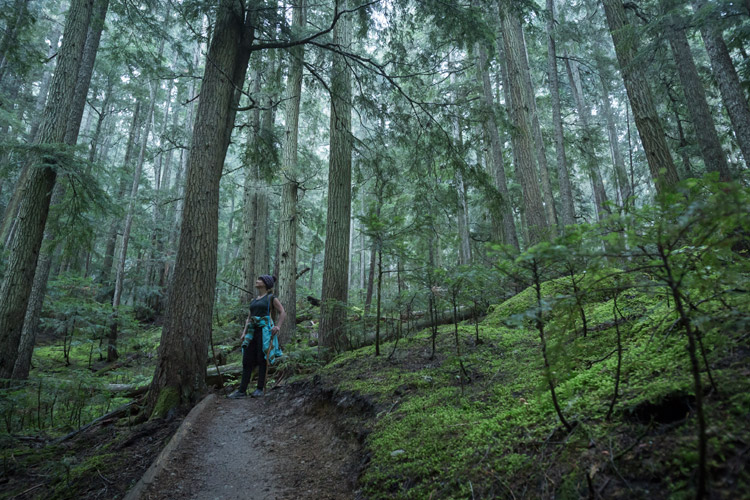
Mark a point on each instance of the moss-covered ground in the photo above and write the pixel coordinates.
(492, 432)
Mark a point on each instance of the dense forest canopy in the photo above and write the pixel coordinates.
(390, 161)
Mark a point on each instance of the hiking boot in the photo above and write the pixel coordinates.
(256, 393)
(237, 395)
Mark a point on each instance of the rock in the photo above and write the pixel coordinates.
(396, 453)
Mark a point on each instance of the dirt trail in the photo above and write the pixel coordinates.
(281, 446)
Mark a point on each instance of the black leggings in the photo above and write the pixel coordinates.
(252, 356)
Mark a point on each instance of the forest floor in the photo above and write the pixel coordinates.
(276, 447)
(291, 444)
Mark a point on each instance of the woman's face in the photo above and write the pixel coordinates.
(259, 284)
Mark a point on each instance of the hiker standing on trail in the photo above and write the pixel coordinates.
(260, 344)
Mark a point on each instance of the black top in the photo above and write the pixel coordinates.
(261, 306)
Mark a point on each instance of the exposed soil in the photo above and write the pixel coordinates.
(298, 442)
(281, 446)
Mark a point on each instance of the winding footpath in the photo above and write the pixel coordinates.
(279, 447)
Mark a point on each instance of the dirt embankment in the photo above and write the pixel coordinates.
(297, 442)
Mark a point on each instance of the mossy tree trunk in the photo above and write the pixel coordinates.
(179, 377)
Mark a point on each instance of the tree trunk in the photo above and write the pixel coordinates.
(179, 377)
(250, 198)
(39, 287)
(728, 82)
(10, 212)
(287, 289)
(695, 97)
(541, 155)
(109, 252)
(10, 38)
(621, 174)
(504, 211)
(563, 177)
(647, 120)
(34, 208)
(336, 261)
(592, 167)
(521, 117)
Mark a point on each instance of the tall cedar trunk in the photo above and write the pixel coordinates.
(34, 207)
(39, 287)
(504, 211)
(336, 261)
(592, 167)
(179, 377)
(287, 289)
(120, 274)
(250, 198)
(621, 175)
(536, 219)
(541, 154)
(563, 177)
(695, 97)
(647, 121)
(179, 184)
(728, 82)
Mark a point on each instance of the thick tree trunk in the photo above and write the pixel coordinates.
(34, 208)
(695, 97)
(10, 212)
(336, 261)
(504, 211)
(592, 163)
(563, 177)
(520, 114)
(287, 289)
(39, 287)
(728, 82)
(647, 120)
(179, 377)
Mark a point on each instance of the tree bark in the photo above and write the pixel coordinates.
(549, 202)
(287, 289)
(592, 167)
(179, 377)
(563, 177)
(728, 82)
(120, 274)
(520, 114)
(41, 276)
(34, 208)
(697, 105)
(505, 211)
(623, 185)
(336, 261)
(660, 163)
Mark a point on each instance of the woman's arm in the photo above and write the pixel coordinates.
(282, 314)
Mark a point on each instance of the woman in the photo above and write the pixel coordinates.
(261, 341)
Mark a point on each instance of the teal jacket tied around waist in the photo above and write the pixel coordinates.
(265, 323)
